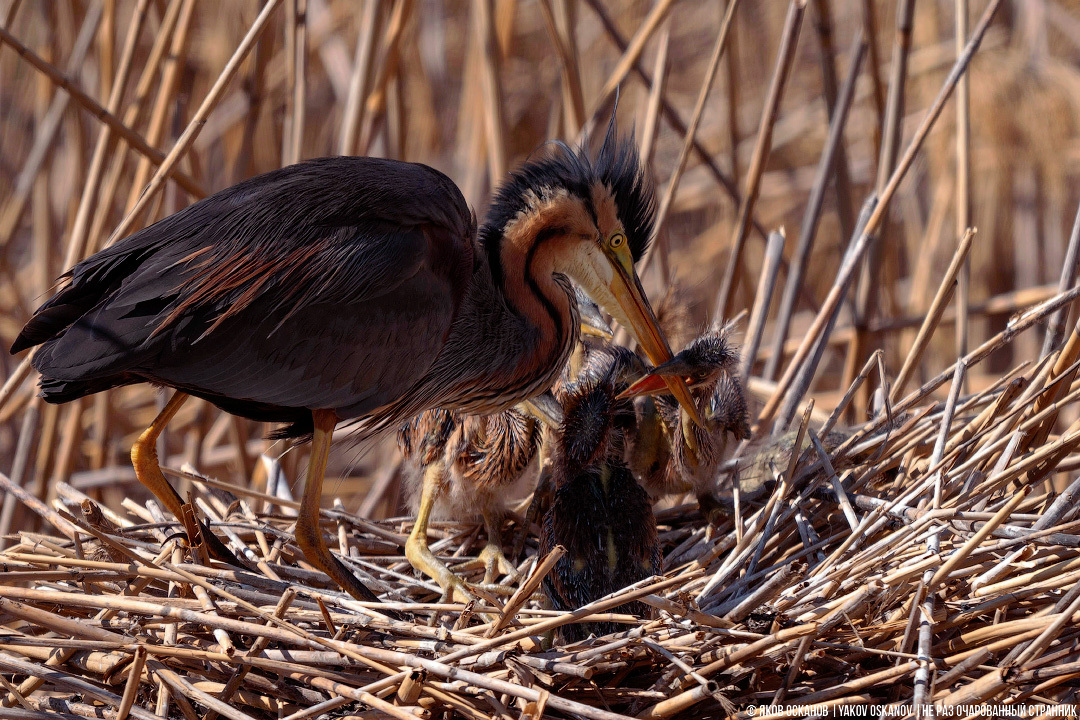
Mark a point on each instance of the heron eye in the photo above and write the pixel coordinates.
(617, 240)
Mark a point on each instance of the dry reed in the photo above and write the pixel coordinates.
(931, 558)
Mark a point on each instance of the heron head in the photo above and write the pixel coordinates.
(589, 219)
(596, 421)
(708, 365)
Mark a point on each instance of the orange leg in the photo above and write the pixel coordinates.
(308, 534)
(145, 460)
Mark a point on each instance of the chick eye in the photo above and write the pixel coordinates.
(617, 240)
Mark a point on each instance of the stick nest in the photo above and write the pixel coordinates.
(815, 594)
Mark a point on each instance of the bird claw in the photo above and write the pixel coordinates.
(454, 589)
(218, 550)
(496, 564)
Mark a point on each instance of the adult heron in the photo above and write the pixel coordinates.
(354, 289)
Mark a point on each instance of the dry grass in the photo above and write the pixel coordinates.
(937, 562)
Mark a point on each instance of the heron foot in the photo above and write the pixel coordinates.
(420, 557)
(496, 564)
(217, 548)
(315, 552)
(454, 589)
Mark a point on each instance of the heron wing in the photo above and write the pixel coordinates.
(326, 284)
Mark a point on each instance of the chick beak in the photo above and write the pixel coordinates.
(657, 380)
(545, 408)
(592, 320)
(626, 287)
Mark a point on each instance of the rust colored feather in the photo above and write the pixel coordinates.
(215, 280)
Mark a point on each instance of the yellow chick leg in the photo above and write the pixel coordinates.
(495, 562)
(416, 547)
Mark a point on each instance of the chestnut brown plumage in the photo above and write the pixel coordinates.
(599, 513)
(353, 289)
(670, 453)
(461, 465)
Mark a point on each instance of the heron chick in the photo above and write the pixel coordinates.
(672, 453)
(459, 466)
(599, 513)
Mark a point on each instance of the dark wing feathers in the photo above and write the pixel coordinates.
(301, 288)
(343, 265)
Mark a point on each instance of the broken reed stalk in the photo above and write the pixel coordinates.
(130, 136)
(15, 204)
(359, 78)
(807, 370)
(631, 53)
(933, 315)
(866, 293)
(1055, 328)
(844, 277)
(88, 201)
(651, 127)
(830, 157)
(671, 114)
(770, 268)
(691, 132)
(573, 101)
(963, 179)
(168, 83)
(183, 144)
(296, 36)
(376, 103)
(491, 92)
(823, 23)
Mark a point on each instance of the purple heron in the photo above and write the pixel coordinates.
(354, 289)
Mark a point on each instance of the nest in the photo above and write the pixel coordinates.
(929, 563)
(924, 558)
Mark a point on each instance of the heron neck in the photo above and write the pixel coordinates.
(516, 341)
(534, 291)
(541, 309)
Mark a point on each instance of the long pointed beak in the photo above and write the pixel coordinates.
(646, 330)
(653, 382)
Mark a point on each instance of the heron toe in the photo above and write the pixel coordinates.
(496, 564)
(420, 557)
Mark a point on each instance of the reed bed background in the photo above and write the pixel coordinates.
(823, 165)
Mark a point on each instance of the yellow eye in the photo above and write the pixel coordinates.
(617, 240)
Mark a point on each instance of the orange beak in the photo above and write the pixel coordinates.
(657, 380)
(651, 384)
(646, 330)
